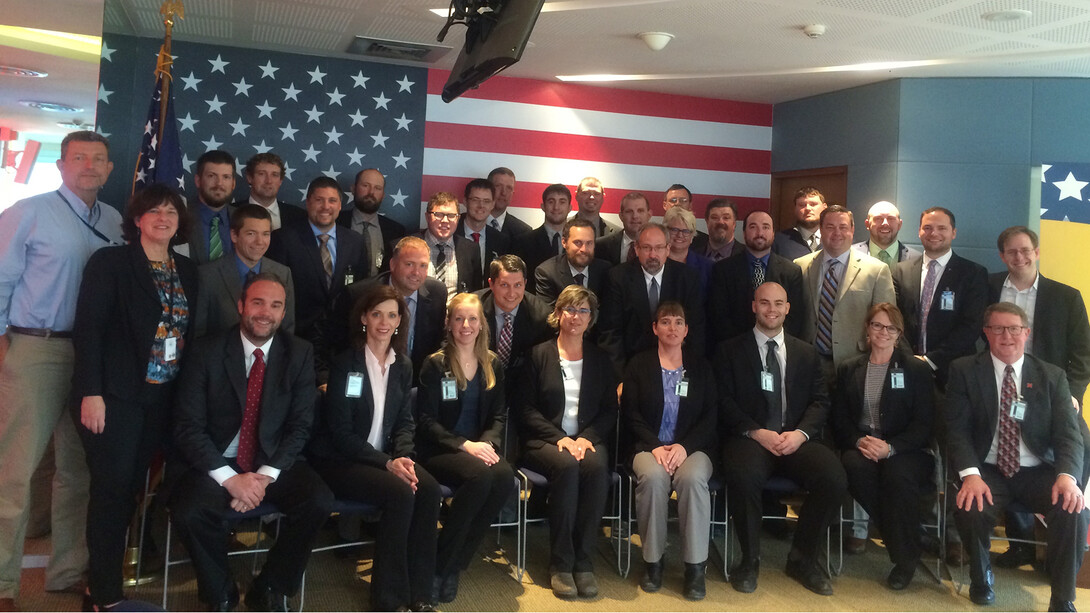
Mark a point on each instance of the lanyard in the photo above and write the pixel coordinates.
(84, 221)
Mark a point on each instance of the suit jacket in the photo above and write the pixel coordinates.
(346, 422)
(700, 245)
(730, 297)
(790, 244)
(513, 227)
(1051, 427)
(603, 227)
(290, 214)
(642, 405)
(743, 406)
(531, 328)
(217, 307)
(1061, 332)
(391, 231)
(554, 274)
(625, 322)
(540, 403)
(906, 415)
(196, 248)
(496, 243)
(212, 397)
(866, 282)
(467, 257)
(903, 253)
(608, 248)
(436, 418)
(950, 334)
(117, 315)
(534, 248)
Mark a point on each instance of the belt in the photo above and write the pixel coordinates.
(42, 332)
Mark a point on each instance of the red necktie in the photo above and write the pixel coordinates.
(247, 436)
(477, 237)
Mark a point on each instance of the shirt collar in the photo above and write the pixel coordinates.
(1001, 366)
(502, 217)
(77, 203)
(571, 267)
(332, 232)
(248, 347)
(943, 259)
(207, 213)
(274, 206)
(657, 276)
(432, 241)
(893, 251)
(243, 269)
(752, 258)
(763, 339)
(373, 360)
(499, 312)
(359, 217)
(842, 258)
(1009, 285)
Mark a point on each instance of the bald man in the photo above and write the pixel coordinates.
(883, 223)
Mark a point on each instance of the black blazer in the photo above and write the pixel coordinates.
(346, 422)
(1061, 332)
(950, 334)
(496, 243)
(212, 396)
(468, 258)
(1051, 428)
(437, 417)
(531, 328)
(390, 230)
(608, 248)
(534, 248)
(730, 296)
(744, 407)
(907, 415)
(540, 401)
(790, 244)
(625, 324)
(554, 274)
(513, 227)
(117, 315)
(290, 214)
(642, 405)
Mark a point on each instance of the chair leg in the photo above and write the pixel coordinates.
(166, 564)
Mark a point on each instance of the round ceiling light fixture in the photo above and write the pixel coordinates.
(1007, 15)
(656, 41)
(52, 107)
(16, 71)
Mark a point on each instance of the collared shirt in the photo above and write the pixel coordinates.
(224, 473)
(331, 243)
(625, 242)
(750, 259)
(657, 277)
(244, 270)
(44, 246)
(943, 260)
(893, 251)
(575, 271)
(806, 234)
(550, 233)
(367, 225)
(273, 209)
(452, 265)
(378, 374)
(721, 253)
(480, 243)
(499, 321)
(1025, 298)
(500, 219)
(206, 214)
(826, 260)
(781, 357)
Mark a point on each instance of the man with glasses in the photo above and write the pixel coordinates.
(679, 195)
(490, 242)
(455, 260)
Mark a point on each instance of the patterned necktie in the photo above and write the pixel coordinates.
(412, 321)
(580, 278)
(653, 296)
(884, 256)
(247, 435)
(441, 263)
(215, 241)
(1007, 455)
(503, 345)
(476, 237)
(327, 258)
(775, 397)
(758, 274)
(496, 224)
(926, 296)
(826, 304)
(812, 242)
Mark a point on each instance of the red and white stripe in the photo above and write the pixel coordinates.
(552, 132)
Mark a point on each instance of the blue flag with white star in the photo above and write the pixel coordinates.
(1064, 192)
(160, 160)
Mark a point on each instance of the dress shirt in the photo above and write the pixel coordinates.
(499, 320)
(367, 225)
(378, 374)
(550, 233)
(572, 382)
(647, 282)
(480, 243)
(223, 473)
(781, 357)
(452, 264)
(893, 251)
(825, 261)
(625, 242)
(724, 252)
(206, 214)
(44, 246)
(750, 259)
(806, 234)
(498, 219)
(244, 270)
(1025, 298)
(273, 209)
(575, 271)
(331, 243)
(943, 260)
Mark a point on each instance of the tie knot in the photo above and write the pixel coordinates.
(772, 344)
(496, 224)
(932, 265)
(259, 354)
(1008, 371)
(323, 238)
(507, 318)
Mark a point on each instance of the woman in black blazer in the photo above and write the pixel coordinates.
(883, 419)
(669, 404)
(132, 328)
(567, 409)
(363, 449)
(462, 412)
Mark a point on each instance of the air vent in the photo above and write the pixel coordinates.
(15, 71)
(396, 50)
(52, 107)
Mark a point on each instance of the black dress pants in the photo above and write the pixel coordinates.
(577, 500)
(404, 565)
(890, 491)
(480, 491)
(199, 505)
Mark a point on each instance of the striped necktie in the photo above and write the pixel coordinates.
(215, 241)
(826, 304)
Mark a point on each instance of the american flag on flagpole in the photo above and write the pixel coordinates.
(551, 132)
(160, 160)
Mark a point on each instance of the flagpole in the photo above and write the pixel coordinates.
(169, 10)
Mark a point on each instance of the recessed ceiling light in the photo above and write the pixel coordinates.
(1007, 15)
(15, 71)
(52, 107)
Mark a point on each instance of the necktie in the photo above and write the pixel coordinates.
(1007, 455)
(215, 241)
(327, 258)
(824, 338)
(503, 345)
(926, 296)
(631, 255)
(884, 256)
(412, 321)
(247, 435)
(441, 263)
(775, 398)
(556, 244)
(476, 237)
(653, 296)
(758, 274)
(580, 278)
(813, 242)
(496, 224)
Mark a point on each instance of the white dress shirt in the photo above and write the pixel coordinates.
(378, 374)
(224, 473)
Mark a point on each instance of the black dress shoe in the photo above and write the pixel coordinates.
(586, 583)
(422, 607)
(744, 576)
(228, 603)
(810, 577)
(448, 588)
(694, 581)
(982, 593)
(263, 598)
(1019, 554)
(652, 577)
(1055, 604)
(901, 576)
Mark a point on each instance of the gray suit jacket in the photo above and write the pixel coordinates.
(217, 302)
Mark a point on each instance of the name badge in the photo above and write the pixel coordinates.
(354, 386)
(946, 303)
(565, 373)
(170, 348)
(897, 379)
(1018, 410)
(449, 388)
(768, 384)
(682, 388)
(349, 277)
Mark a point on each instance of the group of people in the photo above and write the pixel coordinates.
(295, 356)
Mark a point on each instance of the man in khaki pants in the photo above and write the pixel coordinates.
(45, 242)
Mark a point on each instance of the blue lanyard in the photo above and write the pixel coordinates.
(84, 221)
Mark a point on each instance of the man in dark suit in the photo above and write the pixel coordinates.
(455, 261)
(1012, 436)
(590, 195)
(730, 292)
(221, 281)
(634, 291)
(209, 235)
(883, 223)
(503, 182)
(381, 231)
(576, 266)
(265, 174)
(323, 259)
(941, 295)
(244, 412)
(425, 297)
(721, 215)
(490, 242)
(774, 405)
(805, 237)
(544, 242)
(620, 247)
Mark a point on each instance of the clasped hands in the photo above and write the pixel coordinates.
(578, 448)
(872, 448)
(670, 457)
(247, 490)
(778, 443)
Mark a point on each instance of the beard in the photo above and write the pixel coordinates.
(367, 205)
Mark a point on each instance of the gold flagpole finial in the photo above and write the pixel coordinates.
(169, 10)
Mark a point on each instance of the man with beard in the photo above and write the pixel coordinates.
(381, 231)
(883, 223)
(620, 247)
(503, 181)
(805, 237)
(591, 195)
(210, 232)
(719, 244)
(265, 174)
(236, 455)
(544, 241)
(576, 266)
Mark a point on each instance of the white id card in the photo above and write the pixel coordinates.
(897, 379)
(1018, 410)
(768, 384)
(682, 388)
(946, 303)
(170, 348)
(354, 387)
(450, 388)
(565, 373)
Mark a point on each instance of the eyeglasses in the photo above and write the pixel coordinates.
(877, 327)
(999, 330)
(678, 201)
(574, 311)
(1026, 252)
(682, 231)
(444, 216)
(476, 201)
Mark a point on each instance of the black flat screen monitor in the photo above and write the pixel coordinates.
(493, 42)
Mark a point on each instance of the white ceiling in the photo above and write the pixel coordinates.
(749, 50)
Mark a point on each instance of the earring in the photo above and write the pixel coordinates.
(363, 328)
(396, 330)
